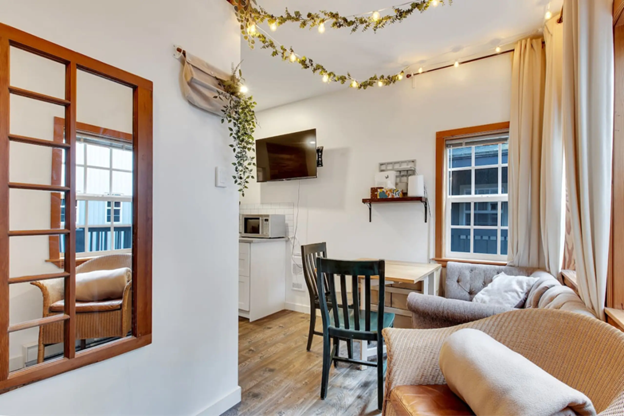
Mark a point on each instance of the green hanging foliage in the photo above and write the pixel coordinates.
(239, 113)
(250, 14)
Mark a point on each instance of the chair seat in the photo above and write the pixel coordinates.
(85, 307)
(388, 320)
(436, 400)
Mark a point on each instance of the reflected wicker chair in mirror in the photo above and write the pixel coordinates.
(100, 319)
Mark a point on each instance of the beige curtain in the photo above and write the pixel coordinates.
(525, 154)
(588, 134)
(552, 193)
(200, 83)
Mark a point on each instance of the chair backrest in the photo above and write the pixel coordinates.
(333, 274)
(309, 254)
(108, 262)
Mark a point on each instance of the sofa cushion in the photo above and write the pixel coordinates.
(436, 400)
(102, 284)
(495, 380)
(509, 291)
(84, 307)
(539, 288)
(464, 280)
(564, 298)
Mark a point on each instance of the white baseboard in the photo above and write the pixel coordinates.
(297, 307)
(223, 405)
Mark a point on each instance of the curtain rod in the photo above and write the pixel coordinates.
(463, 63)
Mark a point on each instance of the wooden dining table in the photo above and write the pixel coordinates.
(399, 274)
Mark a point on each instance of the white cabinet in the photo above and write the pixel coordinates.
(261, 277)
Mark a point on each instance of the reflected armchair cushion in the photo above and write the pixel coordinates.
(99, 319)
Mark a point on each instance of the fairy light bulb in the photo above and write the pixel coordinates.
(251, 29)
(354, 84)
(273, 27)
(548, 15)
(325, 78)
(498, 49)
(293, 57)
(380, 83)
(401, 75)
(435, 3)
(456, 64)
(376, 16)
(420, 70)
(321, 28)
(243, 89)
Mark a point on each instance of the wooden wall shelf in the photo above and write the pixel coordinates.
(370, 202)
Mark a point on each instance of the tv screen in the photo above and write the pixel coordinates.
(291, 156)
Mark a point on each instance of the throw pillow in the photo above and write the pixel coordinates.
(102, 284)
(509, 291)
(494, 380)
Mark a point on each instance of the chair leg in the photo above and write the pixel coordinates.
(350, 348)
(380, 373)
(40, 353)
(312, 325)
(326, 366)
(336, 351)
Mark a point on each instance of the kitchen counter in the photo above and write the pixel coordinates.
(261, 240)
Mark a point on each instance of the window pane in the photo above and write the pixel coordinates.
(98, 213)
(460, 240)
(98, 181)
(486, 181)
(461, 157)
(504, 242)
(486, 155)
(505, 153)
(126, 213)
(98, 156)
(123, 237)
(485, 241)
(486, 214)
(122, 159)
(80, 188)
(461, 182)
(99, 239)
(504, 180)
(122, 183)
(460, 214)
(81, 245)
(80, 153)
(504, 214)
(81, 215)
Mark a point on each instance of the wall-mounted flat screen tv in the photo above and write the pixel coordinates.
(286, 157)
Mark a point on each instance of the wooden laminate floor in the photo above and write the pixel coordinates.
(279, 377)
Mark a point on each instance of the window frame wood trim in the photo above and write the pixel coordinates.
(142, 209)
(441, 139)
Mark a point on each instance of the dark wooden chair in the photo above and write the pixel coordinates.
(351, 323)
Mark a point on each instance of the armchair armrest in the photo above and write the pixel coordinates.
(430, 312)
(52, 291)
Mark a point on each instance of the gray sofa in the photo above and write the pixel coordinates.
(463, 281)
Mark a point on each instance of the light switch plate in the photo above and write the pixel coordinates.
(220, 177)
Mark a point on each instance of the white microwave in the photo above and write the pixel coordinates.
(263, 226)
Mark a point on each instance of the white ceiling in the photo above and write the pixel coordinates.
(465, 29)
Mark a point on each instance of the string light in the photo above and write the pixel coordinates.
(354, 84)
(498, 49)
(380, 84)
(376, 16)
(321, 28)
(251, 29)
(434, 3)
(325, 78)
(420, 70)
(243, 89)
(456, 64)
(548, 15)
(293, 57)
(401, 75)
(273, 27)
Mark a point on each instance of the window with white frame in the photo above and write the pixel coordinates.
(477, 198)
(103, 196)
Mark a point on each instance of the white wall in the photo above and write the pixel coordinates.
(192, 363)
(360, 129)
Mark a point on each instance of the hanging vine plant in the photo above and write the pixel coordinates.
(239, 113)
